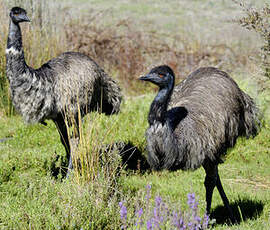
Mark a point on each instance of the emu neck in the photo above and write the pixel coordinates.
(14, 52)
(159, 106)
(14, 36)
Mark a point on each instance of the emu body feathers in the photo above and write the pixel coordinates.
(194, 123)
(205, 115)
(67, 85)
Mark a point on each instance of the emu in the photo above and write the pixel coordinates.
(193, 123)
(62, 90)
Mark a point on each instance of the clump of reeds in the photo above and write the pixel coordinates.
(94, 155)
(91, 162)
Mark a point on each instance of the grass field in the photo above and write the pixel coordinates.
(32, 199)
(202, 34)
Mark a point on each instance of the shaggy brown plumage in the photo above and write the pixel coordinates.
(194, 123)
(59, 89)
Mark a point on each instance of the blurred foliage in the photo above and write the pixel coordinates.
(258, 20)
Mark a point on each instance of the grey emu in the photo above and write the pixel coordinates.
(194, 123)
(66, 87)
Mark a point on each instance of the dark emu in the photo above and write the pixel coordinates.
(194, 123)
(64, 89)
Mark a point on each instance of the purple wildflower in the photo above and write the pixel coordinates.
(123, 214)
(175, 218)
(123, 210)
(140, 212)
(158, 217)
(139, 221)
(193, 205)
(205, 221)
(197, 219)
(178, 221)
(148, 192)
(149, 225)
(191, 200)
(190, 225)
(158, 201)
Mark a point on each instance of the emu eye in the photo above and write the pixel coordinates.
(161, 75)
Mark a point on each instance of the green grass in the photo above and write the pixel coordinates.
(32, 199)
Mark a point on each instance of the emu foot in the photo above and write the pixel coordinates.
(57, 166)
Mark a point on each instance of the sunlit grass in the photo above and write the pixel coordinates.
(27, 187)
(32, 198)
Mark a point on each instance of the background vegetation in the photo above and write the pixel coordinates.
(127, 38)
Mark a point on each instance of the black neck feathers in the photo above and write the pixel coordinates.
(14, 36)
(159, 106)
(15, 61)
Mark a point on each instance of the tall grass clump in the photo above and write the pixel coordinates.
(42, 38)
(161, 215)
(96, 156)
(91, 162)
(109, 144)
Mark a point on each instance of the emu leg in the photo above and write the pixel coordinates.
(209, 183)
(212, 179)
(74, 139)
(225, 199)
(62, 129)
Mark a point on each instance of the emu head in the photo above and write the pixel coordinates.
(18, 15)
(162, 76)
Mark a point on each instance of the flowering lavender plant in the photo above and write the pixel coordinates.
(123, 214)
(160, 215)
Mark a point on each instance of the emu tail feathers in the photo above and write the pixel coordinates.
(111, 96)
(252, 116)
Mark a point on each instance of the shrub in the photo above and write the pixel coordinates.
(258, 20)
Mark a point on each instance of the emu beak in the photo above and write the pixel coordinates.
(144, 78)
(25, 18)
(152, 77)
